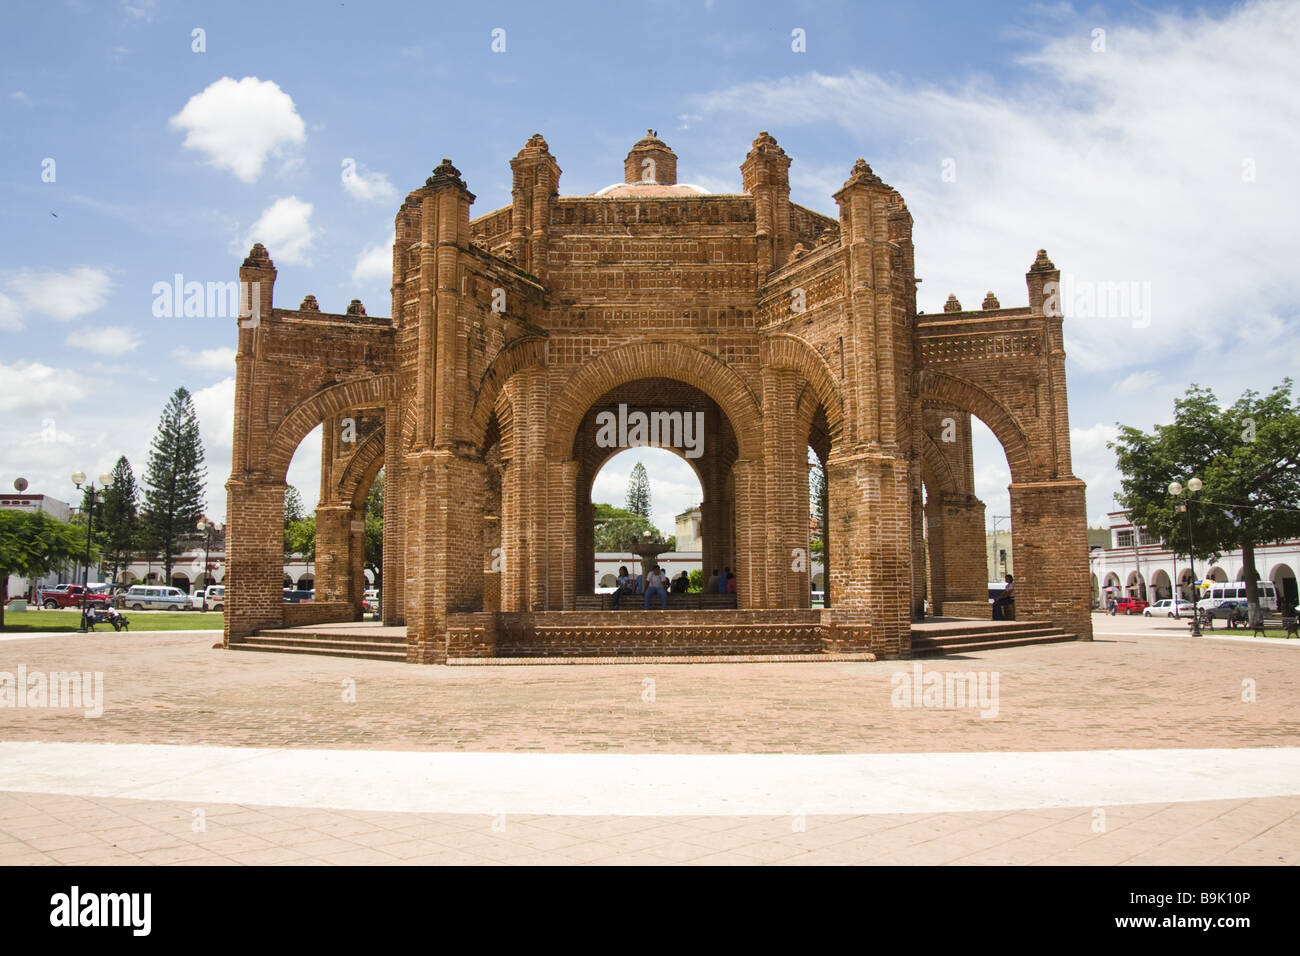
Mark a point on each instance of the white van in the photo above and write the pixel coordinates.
(155, 597)
(1219, 593)
(210, 598)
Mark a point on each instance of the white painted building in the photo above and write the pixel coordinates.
(60, 510)
(1137, 564)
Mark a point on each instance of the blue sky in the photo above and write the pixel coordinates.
(1161, 152)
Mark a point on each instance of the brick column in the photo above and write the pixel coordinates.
(392, 584)
(750, 535)
(785, 459)
(935, 532)
(965, 572)
(333, 552)
(870, 525)
(1049, 538)
(566, 532)
(424, 590)
(357, 561)
(254, 556)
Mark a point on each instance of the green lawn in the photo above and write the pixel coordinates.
(20, 621)
(1224, 629)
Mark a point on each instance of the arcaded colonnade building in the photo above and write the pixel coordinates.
(766, 327)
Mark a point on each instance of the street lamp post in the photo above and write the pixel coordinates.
(105, 481)
(1176, 489)
(207, 527)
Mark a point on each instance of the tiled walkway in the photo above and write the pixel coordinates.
(1142, 686)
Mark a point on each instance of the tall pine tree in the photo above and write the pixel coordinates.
(117, 522)
(638, 492)
(174, 479)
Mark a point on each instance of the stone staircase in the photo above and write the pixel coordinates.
(324, 641)
(961, 637)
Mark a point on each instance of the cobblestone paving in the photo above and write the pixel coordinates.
(1166, 690)
(42, 829)
(1140, 685)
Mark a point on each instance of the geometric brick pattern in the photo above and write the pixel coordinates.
(782, 327)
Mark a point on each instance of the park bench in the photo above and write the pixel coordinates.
(1292, 626)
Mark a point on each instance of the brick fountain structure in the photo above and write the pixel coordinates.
(774, 327)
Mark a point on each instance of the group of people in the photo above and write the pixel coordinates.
(721, 584)
(657, 582)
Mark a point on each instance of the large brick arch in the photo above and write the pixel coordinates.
(936, 466)
(354, 484)
(673, 360)
(966, 395)
(372, 392)
(792, 352)
(519, 354)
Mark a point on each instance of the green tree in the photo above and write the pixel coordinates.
(117, 520)
(1246, 456)
(301, 538)
(638, 492)
(697, 581)
(293, 513)
(33, 544)
(374, 559)
(293, 510)
(174, 479)
(618, 529)
(817, 506)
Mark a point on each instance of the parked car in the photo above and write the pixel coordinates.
(1234, 609)
(155, 597)
(212, 597)
(294, 596)
(69, 596)
(1166, 607)
(1130, 605)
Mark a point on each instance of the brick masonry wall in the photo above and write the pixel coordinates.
(509, 329)
(317, 612)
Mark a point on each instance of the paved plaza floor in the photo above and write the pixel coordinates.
(1143, 746)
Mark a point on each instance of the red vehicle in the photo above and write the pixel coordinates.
(69, 595)
(1131, 605)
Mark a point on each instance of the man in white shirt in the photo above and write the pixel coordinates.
(656, 580)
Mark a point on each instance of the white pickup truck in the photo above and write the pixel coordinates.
(210, 598)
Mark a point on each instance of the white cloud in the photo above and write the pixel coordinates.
(140, 9)
(285, 229)
(1095, 464)
(1138, 381)
(237, 124)
(60, 295)
(32, 388)
(304, 469)
(221, 359)
(105, 340)
(215, 408)
(10, 315)
(1095, 158)
(673, 485)
(366, 186)
(374, 262)
(18, 96)
(1105, 160)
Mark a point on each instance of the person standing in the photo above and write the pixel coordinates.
(712, 586)
(722, 581)
(656, 581)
